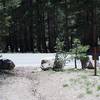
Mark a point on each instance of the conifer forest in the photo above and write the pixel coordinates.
(35, 25)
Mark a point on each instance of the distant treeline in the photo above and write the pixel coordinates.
(34, 25)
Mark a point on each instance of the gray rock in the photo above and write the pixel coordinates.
(47, 64)
(6, 64)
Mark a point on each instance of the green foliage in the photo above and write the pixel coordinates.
(6, 7)
(59, 45)
(88, 90)
(79, 51)
(59, 62)
(65, 85)
(23, 19)
(98, 88)
(5, 17)
(60, 57)
(13, 3)
(59, 48)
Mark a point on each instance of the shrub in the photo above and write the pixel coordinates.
(60, 57)
(79, 51)
(58, 63)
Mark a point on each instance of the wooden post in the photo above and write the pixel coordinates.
(94, 38)
(95, 61)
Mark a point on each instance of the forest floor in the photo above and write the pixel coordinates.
(30, 84)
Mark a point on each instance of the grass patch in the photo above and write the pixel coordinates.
(88, 90)
(88, 83)
(98, 95)
(83, 77)
(98, 88)
(65, 85)
(88, 87)
(73, 70)
(81, 95)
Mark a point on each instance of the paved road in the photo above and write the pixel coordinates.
(27, 59)
(34, 59)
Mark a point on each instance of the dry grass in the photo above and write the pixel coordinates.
(70, 84)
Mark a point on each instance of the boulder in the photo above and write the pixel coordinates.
(6, 64)
(47, 64)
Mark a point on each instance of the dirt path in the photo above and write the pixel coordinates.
(28, 84)
(18, 85)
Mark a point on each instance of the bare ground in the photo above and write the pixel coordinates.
(29, 84)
